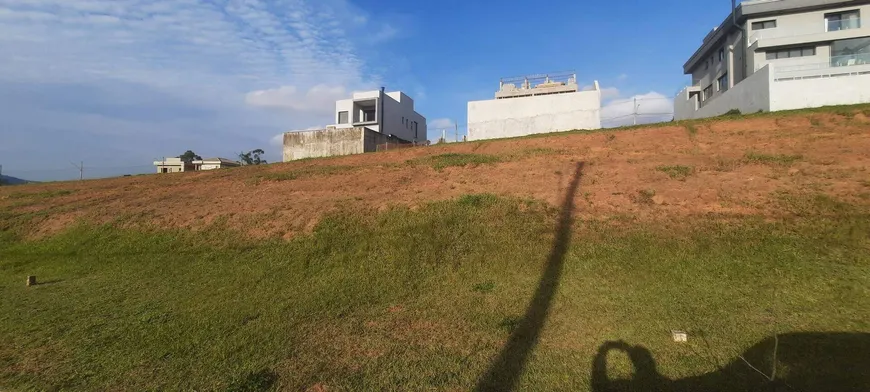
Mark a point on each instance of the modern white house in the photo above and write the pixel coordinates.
(364, 123)
(172, 165)
(214, 164)
(772, 55)
(176, 165)
(533, 104)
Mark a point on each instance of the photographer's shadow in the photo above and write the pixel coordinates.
(804, 362)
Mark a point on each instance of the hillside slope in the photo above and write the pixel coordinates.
(735, 167)
(563, 262)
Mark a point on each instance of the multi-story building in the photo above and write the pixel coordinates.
(367, 122)
(771, 55)
(388, 113)
(535, 104)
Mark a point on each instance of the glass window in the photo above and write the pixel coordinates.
(767, 24)
(342, 117)
(721, 54)
(708, 92)
(723, 83)
(843, 20)
(854, 51)
(791, 53)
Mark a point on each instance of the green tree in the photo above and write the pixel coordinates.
(190, 156)
(253, 157)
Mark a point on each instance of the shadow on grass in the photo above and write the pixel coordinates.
(506, 369)
(787, 362)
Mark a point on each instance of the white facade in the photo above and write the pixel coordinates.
(388, 113)
(809, 53)
(172, 165)
(214, 164)
(551, 106)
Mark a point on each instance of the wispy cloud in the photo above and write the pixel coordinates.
(214, 65)
(646, 108)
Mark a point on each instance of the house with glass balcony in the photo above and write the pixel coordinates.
(771, 55)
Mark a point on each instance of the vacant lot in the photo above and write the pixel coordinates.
(516, 264)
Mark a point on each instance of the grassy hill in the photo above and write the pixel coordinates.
(561, 262)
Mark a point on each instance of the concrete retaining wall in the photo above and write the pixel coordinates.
(334, 142)
(323, 143)
(813, 93)
(749, 96)
(501, 118)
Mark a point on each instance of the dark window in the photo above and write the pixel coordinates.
(791, 53)
(342, 117)
(767, 24)
(708, 92)
(843, 20)
(722, 83)
(721, 55)
(369, 115)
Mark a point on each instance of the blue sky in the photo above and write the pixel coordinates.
(119, 83)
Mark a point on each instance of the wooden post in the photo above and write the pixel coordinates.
(31, 280)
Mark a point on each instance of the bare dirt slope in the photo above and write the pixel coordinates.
(731, 167)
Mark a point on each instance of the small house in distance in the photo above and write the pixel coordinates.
(177, 165)
(173, 165)
(215, 163)
(362, 124)
(535, 104)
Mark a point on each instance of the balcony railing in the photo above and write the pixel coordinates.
(837, 66)
(805, 29)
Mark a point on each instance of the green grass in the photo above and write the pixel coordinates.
(425, 299)
(308, 171)
(442, 161)
(771, 159)
(677, 172)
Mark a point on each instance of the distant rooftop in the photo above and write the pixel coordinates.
(537, 84)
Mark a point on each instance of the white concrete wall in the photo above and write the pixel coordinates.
(685, 105)
(500, 118)
(748, 96)
(812, 93)
(345, 105)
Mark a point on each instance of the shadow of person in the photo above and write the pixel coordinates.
(505, 371)
(807, 361)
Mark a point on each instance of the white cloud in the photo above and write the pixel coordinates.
(278, 140)
(646, 108)
(608, 93)
(319, 99)
(441, 123)
(208, 64)
(385, 33)
(622, 77)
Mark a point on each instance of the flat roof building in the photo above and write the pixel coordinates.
(363, 123)
(771, 55)
(533, 104)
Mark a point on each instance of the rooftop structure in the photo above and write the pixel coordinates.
(538, 84)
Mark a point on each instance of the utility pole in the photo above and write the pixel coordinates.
(456, 133)
(81, 167)
(634, 111)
